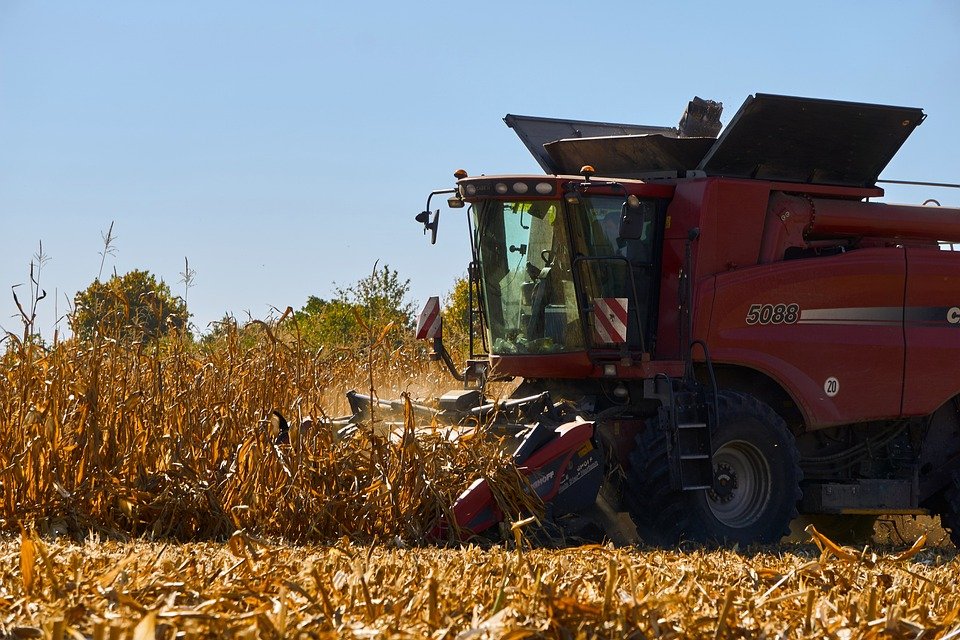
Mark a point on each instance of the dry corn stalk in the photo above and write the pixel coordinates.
(169, 441)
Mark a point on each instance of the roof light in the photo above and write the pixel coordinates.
(500, 188)
(460, 174)
(520, 187)
(471, 189)
(543, 188)
(587, 171)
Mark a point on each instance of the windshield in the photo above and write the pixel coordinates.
(529, 297)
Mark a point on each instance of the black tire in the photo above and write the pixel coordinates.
(657, 511)
(758, 459)
(950, 510)
(852, 529)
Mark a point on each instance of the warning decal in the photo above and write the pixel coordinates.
(610, 320)
(428, 325)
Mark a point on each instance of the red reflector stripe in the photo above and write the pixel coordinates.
(428, 325)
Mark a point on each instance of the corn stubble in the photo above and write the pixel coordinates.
(255, 589)
(104, 446)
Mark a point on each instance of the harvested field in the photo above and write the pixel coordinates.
(250, 588)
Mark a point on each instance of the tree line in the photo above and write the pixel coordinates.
(138, 308)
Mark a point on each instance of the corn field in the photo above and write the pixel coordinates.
(142, 495)
(170, 441)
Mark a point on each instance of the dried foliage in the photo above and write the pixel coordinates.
(169, 440)
(250, 588)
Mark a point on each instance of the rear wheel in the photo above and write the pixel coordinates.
(756, 483)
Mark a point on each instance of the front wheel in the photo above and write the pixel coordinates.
(950, 512)
(756, 481)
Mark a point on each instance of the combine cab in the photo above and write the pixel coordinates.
(714, 334)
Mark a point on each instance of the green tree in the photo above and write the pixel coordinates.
(382, 296)
(134, 306)
(379, 299)
(456, 318)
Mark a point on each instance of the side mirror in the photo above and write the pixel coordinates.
(635, 219)
(632, 225)
(428, 224)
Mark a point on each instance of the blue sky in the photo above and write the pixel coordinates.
(284, 147)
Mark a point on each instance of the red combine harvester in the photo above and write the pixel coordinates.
(714, 334)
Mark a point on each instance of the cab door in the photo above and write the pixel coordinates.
(617, 253)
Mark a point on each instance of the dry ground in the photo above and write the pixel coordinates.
(258, 589)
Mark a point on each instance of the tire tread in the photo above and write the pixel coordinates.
(664, 516)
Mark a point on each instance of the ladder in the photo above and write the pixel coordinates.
(690, 421)
(687, 418)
